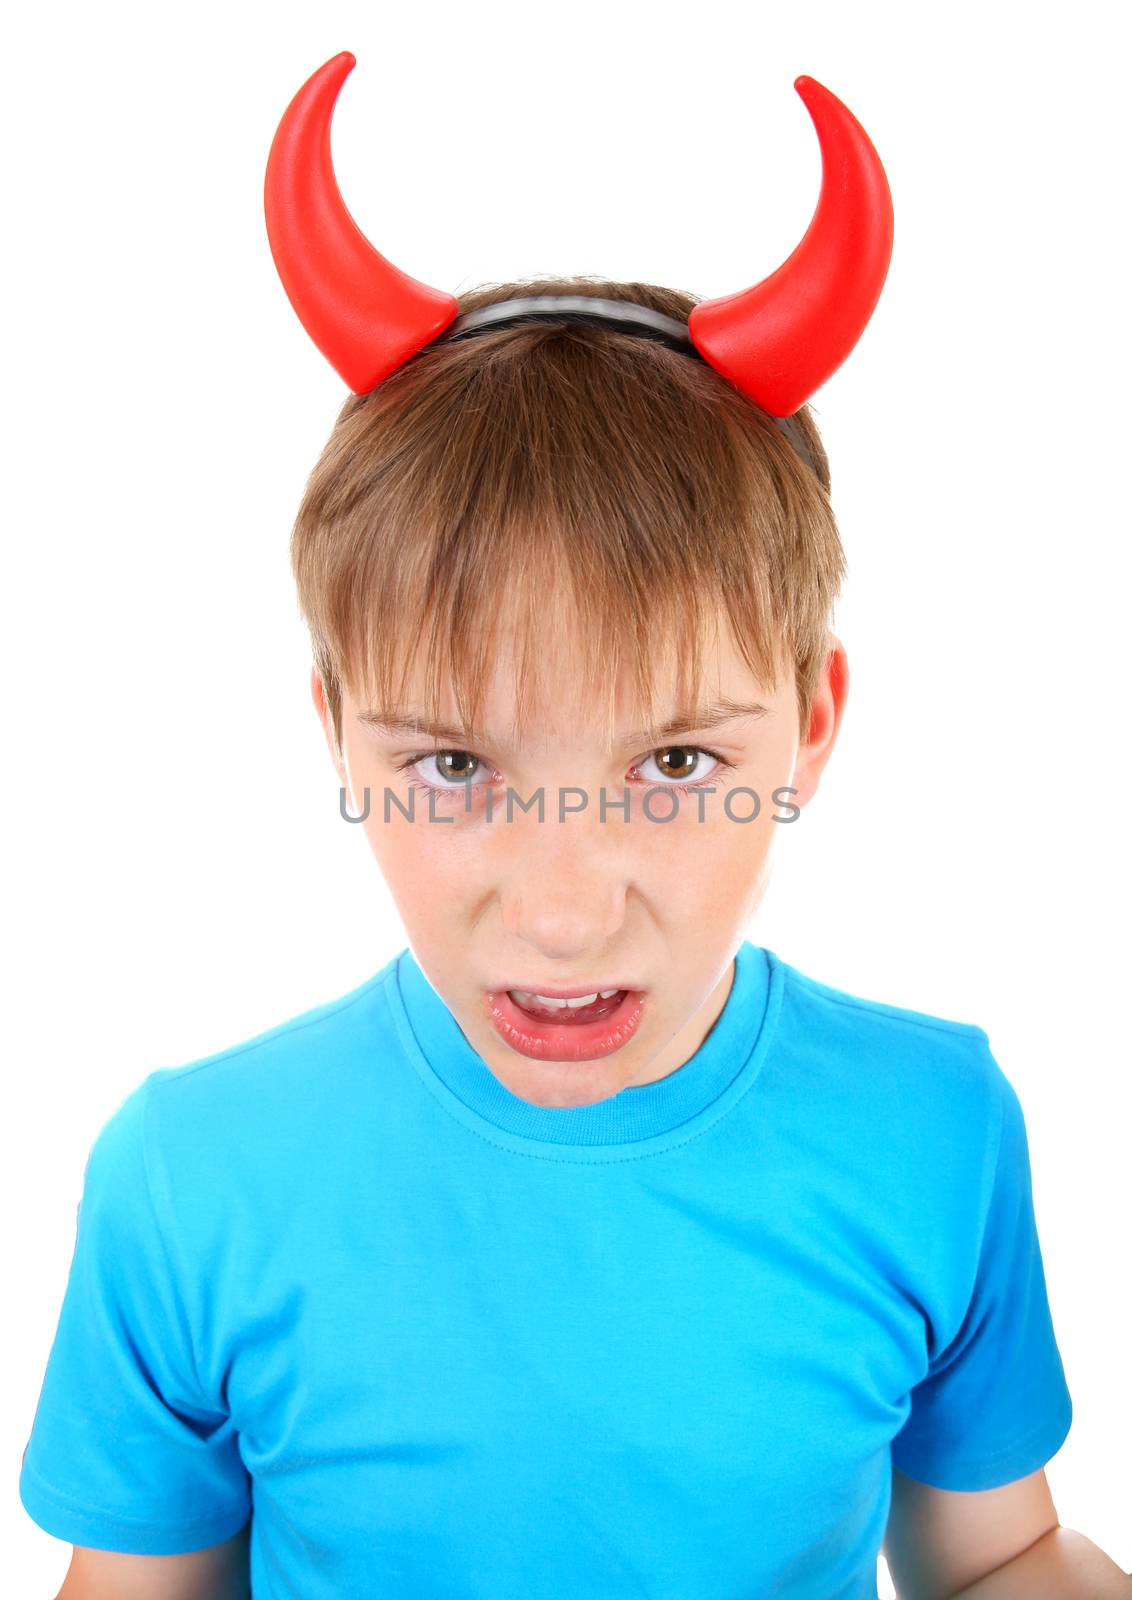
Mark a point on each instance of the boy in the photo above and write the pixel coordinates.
(587, 1249)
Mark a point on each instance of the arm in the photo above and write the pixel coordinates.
(1061, 1565)
(220, 1572)
(130, 1459)
(992, 1544)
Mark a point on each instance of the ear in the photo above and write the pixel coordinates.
(826, 710)
(318, 695)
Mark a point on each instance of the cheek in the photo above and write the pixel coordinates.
(420, 859)
(724, 872)
(712, 835)
(732, 849)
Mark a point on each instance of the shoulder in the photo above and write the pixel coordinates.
(234, 1099)
(917, 1064)
(305, 1041)
(903, 1114)
(868, 1015)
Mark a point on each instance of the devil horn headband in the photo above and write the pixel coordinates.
(777, 341)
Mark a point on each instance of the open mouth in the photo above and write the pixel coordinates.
(577, 1030)
(571, 1012)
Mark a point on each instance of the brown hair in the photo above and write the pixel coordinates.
(547, 459)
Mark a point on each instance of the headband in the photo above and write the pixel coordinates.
(625, 315)
(777, 341)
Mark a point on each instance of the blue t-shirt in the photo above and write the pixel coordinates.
(443, 1344)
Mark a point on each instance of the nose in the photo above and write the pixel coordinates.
(563, 888)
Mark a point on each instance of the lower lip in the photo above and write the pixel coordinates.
(565, 1041)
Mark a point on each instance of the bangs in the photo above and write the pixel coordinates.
(619, 643)
(588, 501)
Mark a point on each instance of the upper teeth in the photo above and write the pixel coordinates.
(525, 997)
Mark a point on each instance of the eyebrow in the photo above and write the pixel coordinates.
(711, 715)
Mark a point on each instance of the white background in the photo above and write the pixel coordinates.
(177, 875)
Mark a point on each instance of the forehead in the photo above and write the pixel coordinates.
(553, 690)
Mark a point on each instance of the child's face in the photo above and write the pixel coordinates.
(515, 902)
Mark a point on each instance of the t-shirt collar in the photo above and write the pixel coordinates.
(641, 1112)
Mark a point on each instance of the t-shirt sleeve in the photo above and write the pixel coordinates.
(126, 1453)
(994, 1404)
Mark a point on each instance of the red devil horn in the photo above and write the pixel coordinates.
(781, 339)
(363, 313)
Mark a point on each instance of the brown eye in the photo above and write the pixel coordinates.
(456, 764)
(679, 763)
(451, 767)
